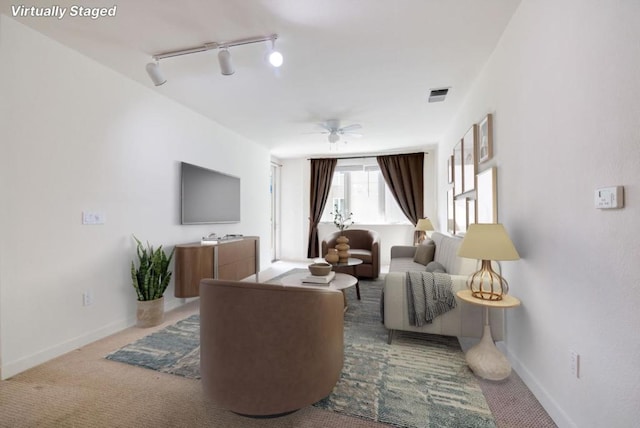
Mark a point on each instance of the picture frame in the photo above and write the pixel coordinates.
(450, 212)
(460, 216)
(471, 211)
(469, 159)
(485, 139)
(487, 196)
(450, 169)
(457, 169)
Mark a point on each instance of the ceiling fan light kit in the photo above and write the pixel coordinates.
(334, 131)
(224, 56)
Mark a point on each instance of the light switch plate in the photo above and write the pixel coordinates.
(609, 197)
(93, 217)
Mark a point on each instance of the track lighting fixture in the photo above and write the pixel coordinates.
(153, 69)
(226, 66)
(224, 56)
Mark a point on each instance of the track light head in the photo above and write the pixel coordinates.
(226, 66)
(275, 57)
(154, 72)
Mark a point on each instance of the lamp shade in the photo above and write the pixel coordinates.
(424, 224)
(487, 242)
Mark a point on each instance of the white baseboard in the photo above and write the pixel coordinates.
(13, 368)
(30, 361)
(550, 405)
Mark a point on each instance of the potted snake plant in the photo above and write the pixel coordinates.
(150, 279)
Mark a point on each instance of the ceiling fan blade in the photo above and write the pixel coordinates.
(349, 128)
(326, 127)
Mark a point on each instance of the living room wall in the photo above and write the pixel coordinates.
(563, 87)
(78, 136)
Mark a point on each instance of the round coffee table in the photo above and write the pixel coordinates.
(341, 282)
(351, 263)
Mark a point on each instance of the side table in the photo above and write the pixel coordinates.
(485, 359)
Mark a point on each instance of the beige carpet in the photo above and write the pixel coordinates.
(83, 389)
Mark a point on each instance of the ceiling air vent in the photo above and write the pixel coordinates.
(438, 95)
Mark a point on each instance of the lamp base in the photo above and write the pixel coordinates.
(486, 284)
(486, 295)
(486, 360)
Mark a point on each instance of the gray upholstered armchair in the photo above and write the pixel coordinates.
(269, 349)
(365, 245)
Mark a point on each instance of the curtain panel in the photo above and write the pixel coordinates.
(404, 175)
(321, 177)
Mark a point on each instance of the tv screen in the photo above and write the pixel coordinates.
(209, 196)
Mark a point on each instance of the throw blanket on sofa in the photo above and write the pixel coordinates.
(428, 295)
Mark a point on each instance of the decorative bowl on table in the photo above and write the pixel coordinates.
(320, 269)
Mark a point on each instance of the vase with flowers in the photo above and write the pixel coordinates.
(342, 222)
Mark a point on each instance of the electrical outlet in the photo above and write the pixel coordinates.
(575, 364)
(87, 298)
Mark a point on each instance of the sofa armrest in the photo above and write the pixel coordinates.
(403, 251)
(375, 255)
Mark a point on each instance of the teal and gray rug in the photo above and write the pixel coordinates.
(418, 381)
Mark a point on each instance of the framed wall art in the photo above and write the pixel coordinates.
(450, 169)
(487, 196)
(485, 139)
(457, 169)
(469, 159)
(471, 211)
(460, 216)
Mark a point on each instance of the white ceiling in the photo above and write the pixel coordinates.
(371, 62)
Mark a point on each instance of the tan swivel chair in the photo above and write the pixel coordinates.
(365, 245)
(268, 349)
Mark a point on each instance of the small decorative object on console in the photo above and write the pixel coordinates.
(212, 239)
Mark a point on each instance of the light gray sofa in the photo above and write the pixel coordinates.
(466, 320)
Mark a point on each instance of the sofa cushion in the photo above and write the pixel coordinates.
(404, 264)
(435, 267)
(425, 252)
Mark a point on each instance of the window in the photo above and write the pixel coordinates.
(358, 187)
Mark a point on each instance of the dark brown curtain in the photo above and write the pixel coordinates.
(404, 177)
(321, 176)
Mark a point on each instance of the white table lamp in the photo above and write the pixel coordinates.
(487, 242)
(424, 225)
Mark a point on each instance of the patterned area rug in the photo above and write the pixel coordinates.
(418, 381)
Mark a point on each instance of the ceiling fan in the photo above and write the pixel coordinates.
(334, 131)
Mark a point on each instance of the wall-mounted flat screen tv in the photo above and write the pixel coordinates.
(209, 196)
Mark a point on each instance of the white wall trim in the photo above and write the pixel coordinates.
(72, 344)
(551, 406)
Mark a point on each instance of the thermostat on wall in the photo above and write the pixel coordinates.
(609, 197)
